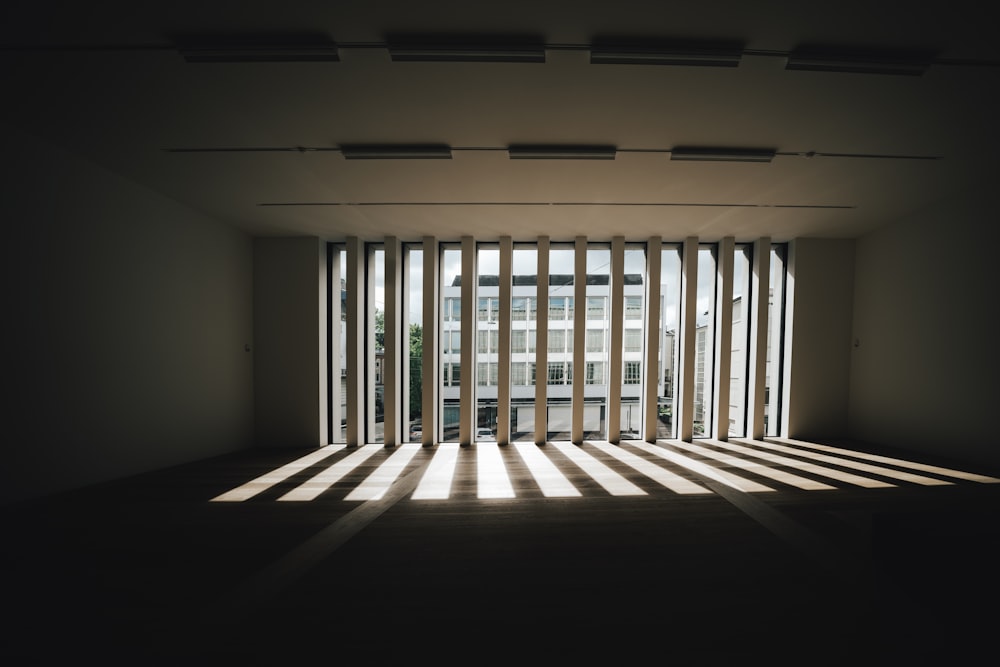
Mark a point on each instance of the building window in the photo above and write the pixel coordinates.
(557, 340)
(633, 308)
(453, 309)
(596, 307)
(518, 341)
(518, 309)
(595, 372)
(557, 372)
(557, 308)
(633, 372)
(486, 374)
(632, 340)
(595, 340)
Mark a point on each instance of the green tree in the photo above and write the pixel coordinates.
(379, 329)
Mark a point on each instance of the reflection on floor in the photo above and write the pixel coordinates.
(778, 552)
(544, 464)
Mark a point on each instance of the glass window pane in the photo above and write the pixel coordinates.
(451, 335)
(670, 292)
(704, 340)
(559, 394)
(524, 306)
(598, 336)
(338, 370)
(739, 358)
(487, 335)
(375, 362)
(413, 280)
(632, 341)
(775, 337)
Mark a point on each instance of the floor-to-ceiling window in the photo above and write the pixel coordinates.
(375, 338)
(633, 330)
(523, 324)
(487, 339)
(596, 371)
(451, 341)
(704, 340)
(740, 340)
(337, 341)
(775, 340)
(413, 346)
(558, 371)
(548, 356)
(669, 324)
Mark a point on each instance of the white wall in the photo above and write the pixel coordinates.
(924, 372)
(290, 352)
(126, 320)
(821, 272)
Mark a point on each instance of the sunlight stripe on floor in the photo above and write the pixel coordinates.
(659, 474)
(436, 482)
(491, 472)
(902, 463)
(377, 483)
(804, 466)
(729, 479)
(857, 465)
(552, 482)
(758, 469)
(324, 479)
(276, 476)
(612, 482)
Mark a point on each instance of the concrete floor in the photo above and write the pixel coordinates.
(780, 554)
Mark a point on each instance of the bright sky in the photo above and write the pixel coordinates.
(560, 262)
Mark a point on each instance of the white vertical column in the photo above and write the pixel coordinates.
(355, 332)
(467, 391)
(503, 353)
(336, 343)
(579, 334)
(392, 375)
(651, 368)
(542, 343)
(615, 352)
(723, 336)
(430, 364)
(757, 382)
(688, 351)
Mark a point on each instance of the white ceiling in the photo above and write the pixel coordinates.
(102, 79)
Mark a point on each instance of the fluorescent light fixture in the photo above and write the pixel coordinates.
(707, 154)
(824, 59)
(258, 49)
(560, 152)
(466, 49)
(697, 54)
(395, 151)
